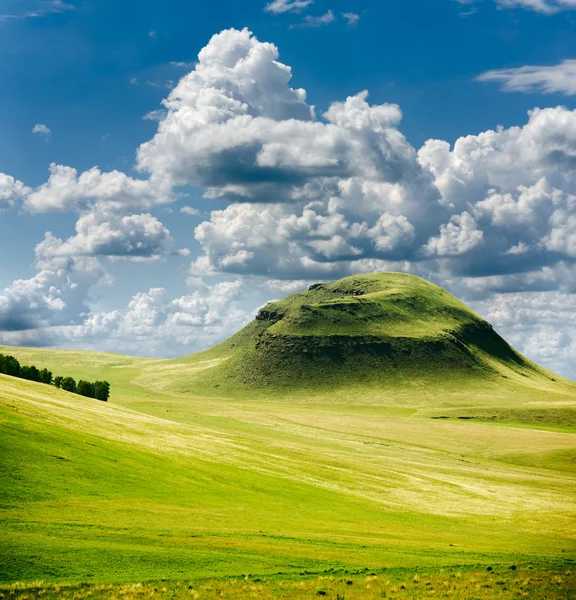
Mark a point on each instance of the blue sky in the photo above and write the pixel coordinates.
(492, 220)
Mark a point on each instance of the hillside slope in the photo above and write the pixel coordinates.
(96, 491)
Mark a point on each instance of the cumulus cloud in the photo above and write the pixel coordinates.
(115, 191)
(132, 237)
(323, 197)
(560, 79)
(458, 236)
(283, 6)
(236, 128)
(56, 295)
(51, 308)
(11, 191)
(42, 130)
(155, 324)
(542, 325)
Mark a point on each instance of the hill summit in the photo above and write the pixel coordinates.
(381, 328)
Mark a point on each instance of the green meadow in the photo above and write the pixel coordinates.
(371, 431)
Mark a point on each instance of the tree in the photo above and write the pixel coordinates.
(58, 381)
(9, 366)
(85, 388)
(30, 373)
(68, 384)
(46, 376)
(102, 390)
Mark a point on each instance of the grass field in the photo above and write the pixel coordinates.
(201, 486)
(501, 582)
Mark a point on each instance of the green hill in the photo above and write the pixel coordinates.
(371, 422)
(384, 327)
(353, 340)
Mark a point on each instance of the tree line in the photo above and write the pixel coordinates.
(9, 365)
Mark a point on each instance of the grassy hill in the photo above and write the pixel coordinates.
(217, 464)
(363, 339)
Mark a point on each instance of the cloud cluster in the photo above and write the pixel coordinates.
(154, 324)
(111, 221)
(542, 325)
(56, 295)
(323, 197)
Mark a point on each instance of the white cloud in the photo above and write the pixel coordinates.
(155, 115)
(115, 191)
(44, 9)
(153, 324)
(132, 237)
(458, 236)
(189, 210)
(283, 6)
(285, 287)
(236, 128)
(544, 6)
(182, 64)
(351, 17)
(42, 130)
(542, 325)
(560, 79)
(548, 7)
(519, 248)
(57, 295)
(325, 19)
(357, 192)
(11, 191)
(561, 237)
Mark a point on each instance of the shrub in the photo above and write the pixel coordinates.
(9, 366)
(30, 373)
(102, 390)
(85, 388)
(68, 384)
(46, 376)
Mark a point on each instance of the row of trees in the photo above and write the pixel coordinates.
(9, 365)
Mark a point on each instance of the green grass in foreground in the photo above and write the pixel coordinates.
(500, 582)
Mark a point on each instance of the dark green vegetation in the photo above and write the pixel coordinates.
(499, 582)
(402, 432)
(10, 365)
